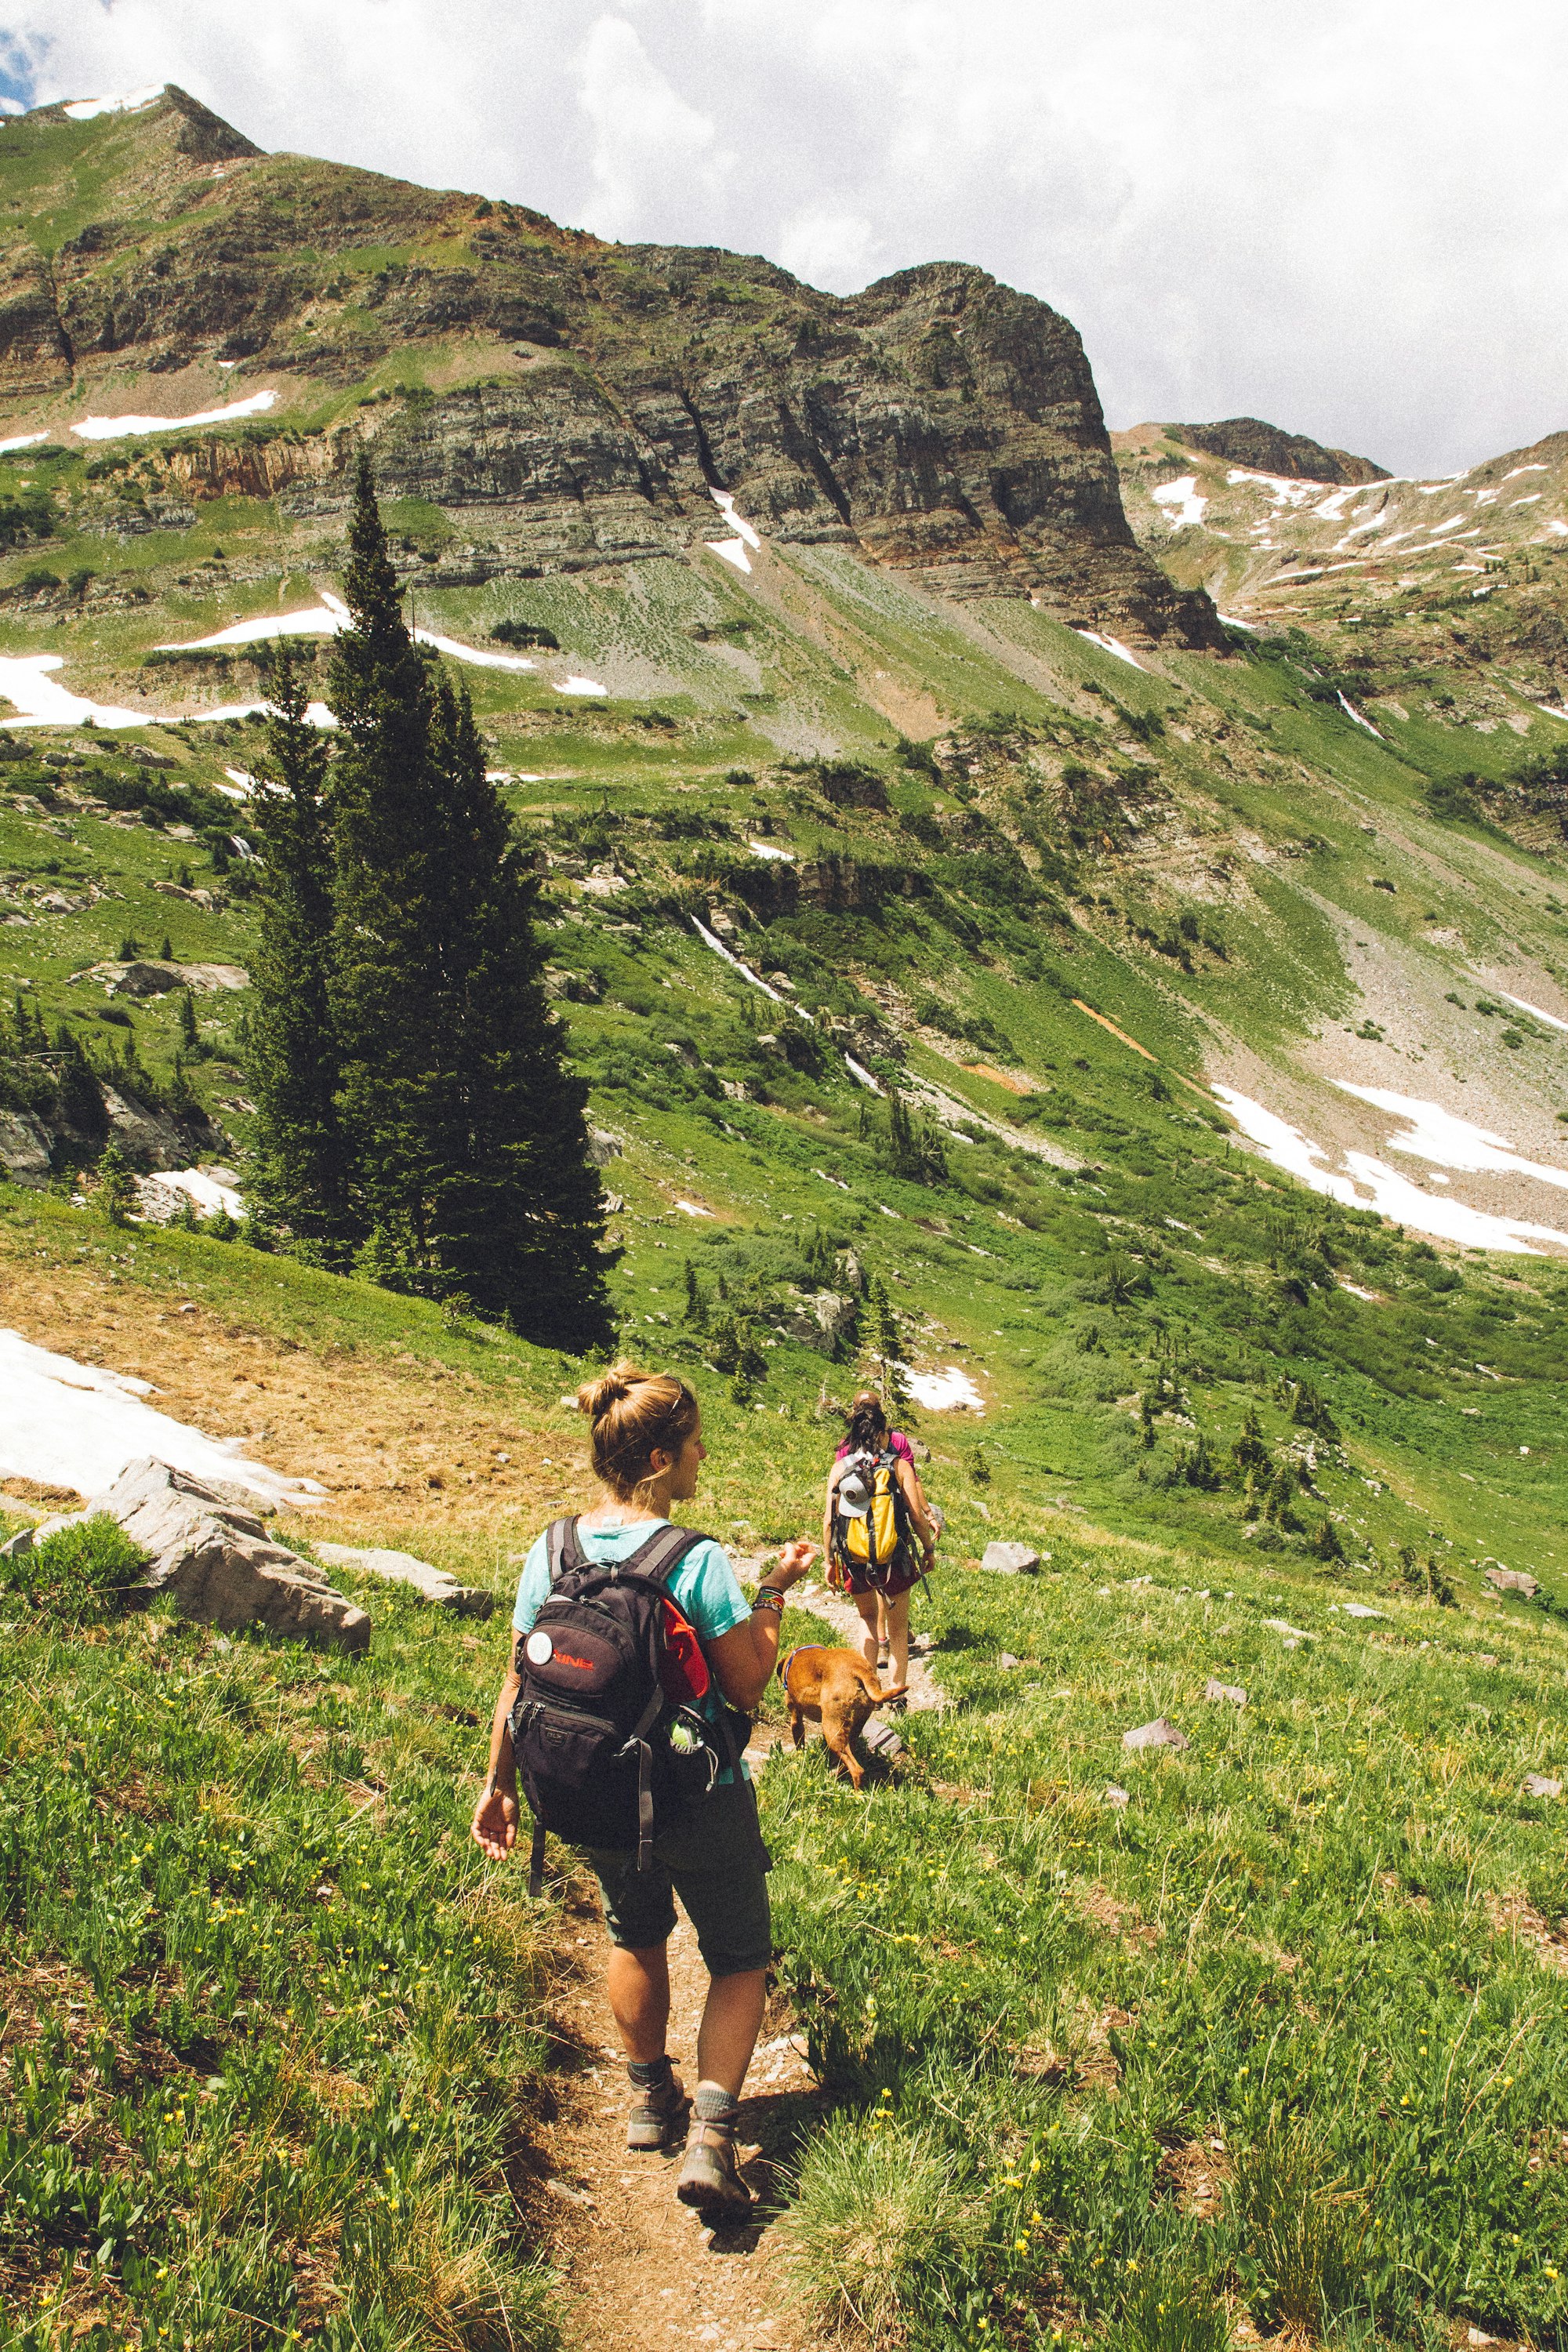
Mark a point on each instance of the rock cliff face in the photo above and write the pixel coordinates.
(940, 422)
(1266, 449)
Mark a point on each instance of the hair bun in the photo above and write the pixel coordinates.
(596, 1397)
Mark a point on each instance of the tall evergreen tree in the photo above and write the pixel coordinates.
(473, 1176)
(302, 1161)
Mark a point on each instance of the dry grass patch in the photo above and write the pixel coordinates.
(1515, 1915)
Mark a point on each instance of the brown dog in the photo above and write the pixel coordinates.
(839, 1690)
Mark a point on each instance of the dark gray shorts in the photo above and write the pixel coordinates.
(714, 1859)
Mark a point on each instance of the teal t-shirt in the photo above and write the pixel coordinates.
(704, 1588)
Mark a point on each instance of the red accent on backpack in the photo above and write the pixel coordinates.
(683, 1670)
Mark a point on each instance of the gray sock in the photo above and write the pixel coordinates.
(648, 2074)
(715, 2106)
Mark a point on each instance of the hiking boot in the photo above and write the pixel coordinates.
(659, 2119)
(710, 2177)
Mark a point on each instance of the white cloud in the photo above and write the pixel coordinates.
(1342, 218)
(835, 250)
(650, 148)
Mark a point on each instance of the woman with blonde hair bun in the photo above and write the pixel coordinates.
(617, 1593)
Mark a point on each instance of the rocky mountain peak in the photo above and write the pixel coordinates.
(1266, 449)
(940, 422)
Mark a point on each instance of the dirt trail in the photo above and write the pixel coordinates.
(641, 2273)
(925, 1693)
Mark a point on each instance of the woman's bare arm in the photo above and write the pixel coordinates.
(743, 1660)
(495, 1819)
(910, 1487)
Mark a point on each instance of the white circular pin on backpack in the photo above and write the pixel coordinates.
(539, 1649)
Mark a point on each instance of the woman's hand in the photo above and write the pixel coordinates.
(794, 1561)
(494, 1826)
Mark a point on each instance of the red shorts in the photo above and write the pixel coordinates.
(902, 1576)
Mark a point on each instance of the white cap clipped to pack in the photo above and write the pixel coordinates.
(852, 1496)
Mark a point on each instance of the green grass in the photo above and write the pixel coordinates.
(272, 2040)
(1294, 1941)
(1291, 1941)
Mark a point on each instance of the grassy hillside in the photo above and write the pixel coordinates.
(272, 2055)
(1153, 2048)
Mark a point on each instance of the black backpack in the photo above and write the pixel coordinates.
(606, 1756)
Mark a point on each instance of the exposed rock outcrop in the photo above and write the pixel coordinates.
(212, 1556)
(940, 422)
(433, 1584)
(1266, 449)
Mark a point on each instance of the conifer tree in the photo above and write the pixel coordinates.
(116, 1195)
(885, 1346)
(469, 1133)
(300, 1159)
(518, 1216)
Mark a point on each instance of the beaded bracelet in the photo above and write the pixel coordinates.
(768, 1596)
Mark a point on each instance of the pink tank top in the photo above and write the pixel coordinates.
(896, 1443)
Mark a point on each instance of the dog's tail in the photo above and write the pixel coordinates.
(867, 1677)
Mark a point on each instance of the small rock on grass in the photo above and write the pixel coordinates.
(1538, 1784)
(1232, 1691)
(1009, 1560)
(1354, 1608)
(1115, 1796)
(1006, 1661)
(1161, 1733)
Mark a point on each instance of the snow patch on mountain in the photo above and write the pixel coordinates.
(116, 428)
(725, 503)
(1352, 712)
(952, 1390)
(1435, 1134)
(733, 551)
(1184, 507)
(1110, 645)
(67, 1424)
(1364, 1182)
(88, 110)
(326, 619)
(41, 699)
(1281, 489)
(1534, 1010)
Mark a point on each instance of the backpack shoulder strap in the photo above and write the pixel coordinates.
(662, 1554)
(563, 1552)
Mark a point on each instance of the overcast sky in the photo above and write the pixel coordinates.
(1347, 218)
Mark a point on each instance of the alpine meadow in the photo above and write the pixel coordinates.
(571, 799)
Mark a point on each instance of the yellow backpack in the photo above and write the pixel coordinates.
(871, 1518)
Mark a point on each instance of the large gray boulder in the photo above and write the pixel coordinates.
(212, 1556)
(402, 1568)
(1513, 1579)
(1010, 1559)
